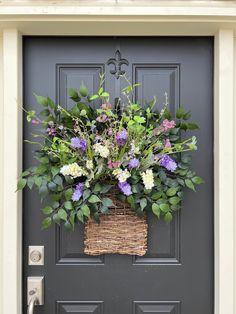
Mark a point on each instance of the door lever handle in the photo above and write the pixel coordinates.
(33, 301)
(35, 292)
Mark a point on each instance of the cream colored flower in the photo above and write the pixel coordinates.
(116, 172)
(124, 175)
(73, 170)
(89, 164)
(148, 179)
(101, 150)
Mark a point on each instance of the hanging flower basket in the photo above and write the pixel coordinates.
(121, 231)
(106, 164)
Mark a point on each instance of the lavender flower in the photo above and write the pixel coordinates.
(102, 118)
(121, 137)
(125, 187)
(79, 143)
(51, 131)
(134, 163)
(78, 192)
(167, 162)
(35, 121)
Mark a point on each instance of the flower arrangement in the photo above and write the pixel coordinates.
(83, 152)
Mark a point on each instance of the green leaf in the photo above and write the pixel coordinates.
(180, 113)
(130, 200)
(184, 126)
(94, 199)
(51, 103)
(100, 91)
(43, 101)
(43, 190)
(72, 219)
(107, 202)
(187, 115)
(44, 113)
(135, 188)
(47, 210)
(83, 90)
(168, 217)
(62, 214)
(58, 180)
(104, 209)
(197, 180)
(156, 210)
(192, 126)
(105, 94)
(174, 200)
(105, 188)
(56, 197)
(55, 171)
(30, 115)
(80, 216)
(86, 194)
(93, 97)
(25, 173)
(139, 119)
(30, 182)
(52, 186)
(68, 205)
(68, 194)
(21, 184)
(156, 195)
(46, 223)
(143, 203)
(68, 226)
(164, 207)
(83, 113)
(55, 204)
(56, 219)
(97, 187)
(85, 209)
(189, 184)
(72, 93)
(171, 191)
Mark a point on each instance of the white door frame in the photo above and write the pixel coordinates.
(194, 20)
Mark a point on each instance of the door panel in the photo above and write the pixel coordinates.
(176, 274)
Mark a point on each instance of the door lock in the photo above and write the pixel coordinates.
(36, 255)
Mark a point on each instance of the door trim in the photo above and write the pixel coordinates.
(11, 160)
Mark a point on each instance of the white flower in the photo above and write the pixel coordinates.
(135, 150)
(89, 164)
(148, 180)
(124, 175)
(116, 172)
(101, 150)
(73, 170)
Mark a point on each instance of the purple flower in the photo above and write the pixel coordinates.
(78, 192)
(35, 121)
(51, 131)
(167, 162)
(121, 137)
(133, 163)
(125, 187)
(79, 143)
(102, 118)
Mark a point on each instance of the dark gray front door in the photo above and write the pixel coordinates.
(176, 275)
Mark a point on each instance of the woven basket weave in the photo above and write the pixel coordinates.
(121, 231)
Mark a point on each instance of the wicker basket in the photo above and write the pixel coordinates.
(121, 231)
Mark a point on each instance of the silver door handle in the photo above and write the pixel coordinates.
(35, 292)
(34, 300)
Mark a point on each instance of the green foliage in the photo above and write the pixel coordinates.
(21, 184)
(73, 196)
